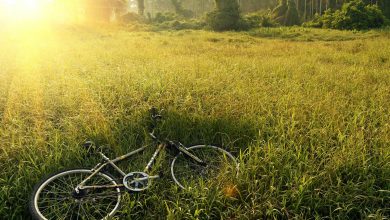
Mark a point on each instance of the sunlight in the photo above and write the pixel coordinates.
(24, 10)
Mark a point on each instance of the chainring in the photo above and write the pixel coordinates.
(136, 181)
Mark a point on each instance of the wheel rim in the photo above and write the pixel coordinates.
(188, 174)
(56, 199)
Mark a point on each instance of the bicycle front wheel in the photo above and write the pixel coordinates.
(55, 196)
(220, 167)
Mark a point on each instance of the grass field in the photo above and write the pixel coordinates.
(307, 112)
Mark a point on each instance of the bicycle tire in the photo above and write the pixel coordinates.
(195, 173)
(66, 195)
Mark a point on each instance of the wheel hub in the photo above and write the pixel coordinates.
(79, 195)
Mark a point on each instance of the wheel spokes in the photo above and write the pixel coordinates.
(219, 165)
(58, 199)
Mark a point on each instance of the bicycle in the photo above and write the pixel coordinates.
(96, 194)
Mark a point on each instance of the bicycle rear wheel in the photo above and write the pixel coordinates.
(220, 167)
(55, 196)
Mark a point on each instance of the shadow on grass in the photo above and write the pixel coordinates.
(190, 129)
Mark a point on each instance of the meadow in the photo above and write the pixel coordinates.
(306, 111)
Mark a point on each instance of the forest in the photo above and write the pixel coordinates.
(242, 14)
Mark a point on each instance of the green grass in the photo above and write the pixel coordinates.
(307, 115)
(309, 34)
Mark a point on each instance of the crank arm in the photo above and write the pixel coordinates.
(144, 178)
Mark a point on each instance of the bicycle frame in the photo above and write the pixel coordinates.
(110, 162)
(100, 166)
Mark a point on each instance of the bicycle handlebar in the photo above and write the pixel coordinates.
(155, 114)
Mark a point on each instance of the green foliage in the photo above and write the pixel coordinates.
(292, 16)
(310, 34)
(384, 5)
(192, 24)
(163, 17)
(317, 21)
(250, 6)
(226, 16)
(172, 21)
(131, 17)
(280, 11)
(353, 15)
(386, 23)
(375, 17)
(259, 19)
(286, 13)
(180, 10)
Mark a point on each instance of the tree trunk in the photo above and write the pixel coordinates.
(141, 7)
(320, 7)
(305, 15)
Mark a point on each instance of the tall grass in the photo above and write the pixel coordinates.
(309, 120)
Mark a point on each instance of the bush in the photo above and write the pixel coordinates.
(375, 16)
(172, 21)
(353, 15)
(131, 17)
(176, 24)
(163, 17)
(386, 23)
(317, 21)
(226, 16)
(259, 19)
(190, 24)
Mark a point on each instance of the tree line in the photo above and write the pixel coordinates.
(307, 9)
(218, 12)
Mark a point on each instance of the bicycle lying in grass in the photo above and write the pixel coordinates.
(95, 194)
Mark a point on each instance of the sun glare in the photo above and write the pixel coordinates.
(23, 10)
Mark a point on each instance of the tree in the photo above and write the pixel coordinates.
(332, 4)
(256, 5)
(141, 7)
(226, 16)
(180, 10)
(286, 13)
(279, 12)
(292, 16)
